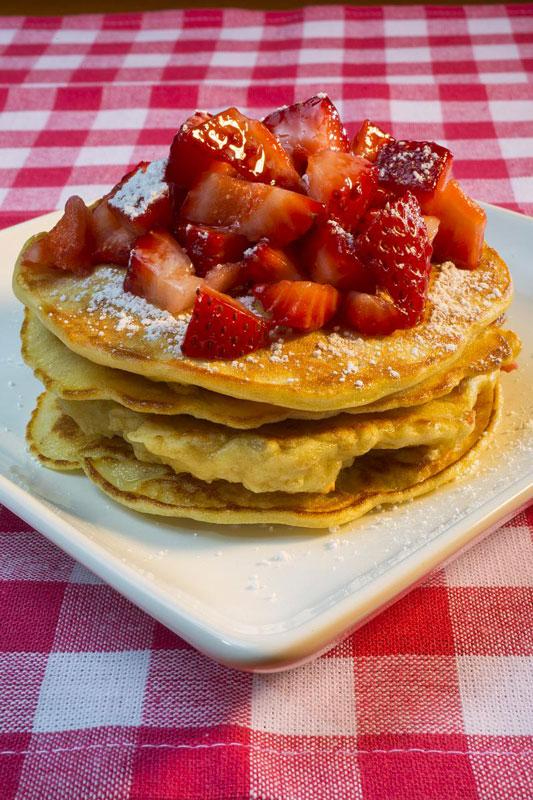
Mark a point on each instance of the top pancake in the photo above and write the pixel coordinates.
(319, 371)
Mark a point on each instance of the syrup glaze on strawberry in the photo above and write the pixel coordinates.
(316, 231)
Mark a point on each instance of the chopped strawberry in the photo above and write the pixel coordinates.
(302, 305)
(244, 143)
(396, 247)
(208, 247)
(183, 167)
(432, 225)
(69, 245)
(420, 167)
(221, 327)
(462, 226)
(305, 128)
(369, 139)
(345, 183)
(267, 264)
(254, 210)
(329, 256)
(224, 277)
(141, 199)
(370, 314)
(161, 271)
(113, 238)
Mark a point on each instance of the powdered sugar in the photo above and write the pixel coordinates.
(142, 189)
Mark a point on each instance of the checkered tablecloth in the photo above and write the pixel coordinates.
(433, 699)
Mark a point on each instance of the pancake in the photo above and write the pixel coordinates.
(73, 377)
(290, 456)
(375, 479)
(319, 371)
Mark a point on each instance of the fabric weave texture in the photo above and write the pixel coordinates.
(432, 699)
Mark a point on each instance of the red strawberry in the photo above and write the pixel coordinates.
(113, 238)
(305, 128)
(396, 247)
(302, 305)
(345, 184)
(244, 143)
(141, 199)
(369, 139)
(69, 245)
(329, 257)
(420, 167)
(208, 247)
(221, 327)
(370, 314)
(161, 271)
(254, 210)
(267, 264)
(462, 226)
(183, 167)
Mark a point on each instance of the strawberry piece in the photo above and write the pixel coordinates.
(208, 247)
(432, 226)
(305, 128)
(462, 226)
(221, 327)
(369, 139)
(244, 143)
(267, 264)
(184, 165)
(302, 305)
(141, 199)
(254, 210)
(224, 277)
(420, 167)
(370, 314)
(396, 247)
(161, 271)
(345, 183)
(330, 257)
(113, 239)
(70, 243)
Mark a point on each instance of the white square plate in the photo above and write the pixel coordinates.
(260, 597)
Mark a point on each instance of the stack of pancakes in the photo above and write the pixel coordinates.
(313, 431)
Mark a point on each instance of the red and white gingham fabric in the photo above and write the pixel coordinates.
(434, 698)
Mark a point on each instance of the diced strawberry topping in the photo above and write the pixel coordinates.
(462, 226)
(161, 271)
(420, 167)
(305, 128)
(208, 247)
(184, 166)
(244, 143)
(396, 247)
(221, 327)
(302, 305)
(370, 314)
(224, 277)
(141, 199)
(369, 139)
(432, 226)
(329, 257)
(267, 264)
(345, 183)
(113, 239)
(69, 245)
(254, 210)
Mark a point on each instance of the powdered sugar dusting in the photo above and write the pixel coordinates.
(141, 190)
